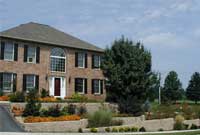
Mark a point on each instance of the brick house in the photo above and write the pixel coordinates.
(39, 56)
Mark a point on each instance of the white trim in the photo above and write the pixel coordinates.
(98, 93)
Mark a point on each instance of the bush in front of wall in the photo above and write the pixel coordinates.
(82, 110)
(193, 126)
(134, 129)
(44, 93)
(100, 118)
(127, 129)
(107, 129)
(121, 129)
(142, 129)
(71, 109)
(179, 125)
(55, 111)
(93, 130)
(79, 98)
(33, 106)
(114, 129)
(80, 130)
(17, 97)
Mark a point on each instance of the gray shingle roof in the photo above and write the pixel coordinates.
(46, 34)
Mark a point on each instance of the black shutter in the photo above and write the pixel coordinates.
(38, 55)
(1, 81)
(85, 85)
(76, 59)
(92, 86)
(85, 60)
(25, 53)
(15, 52)
(92, 61)
(14, 82)
(101, 81)
(2, 50)
(37, 82)
(75, 85)
(24, 82)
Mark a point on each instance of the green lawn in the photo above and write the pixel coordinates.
(187, 109)
(189, 133)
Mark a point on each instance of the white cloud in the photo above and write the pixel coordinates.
(182, 5)
(168, 39)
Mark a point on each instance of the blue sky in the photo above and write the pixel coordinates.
(170, 29)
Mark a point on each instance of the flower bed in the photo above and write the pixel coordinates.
(32, 119)
(4, 98)
(48, 99)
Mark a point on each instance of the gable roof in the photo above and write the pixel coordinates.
(46, 34)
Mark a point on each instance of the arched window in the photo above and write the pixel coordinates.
(58, 60)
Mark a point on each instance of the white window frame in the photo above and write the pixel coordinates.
(58, 57)
(34, 59)
(83, 59)
(11, 87)
(98, 93)
(13, 51)
(33, 82)
(83, 89)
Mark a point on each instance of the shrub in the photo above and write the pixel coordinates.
(142, 129)
(160, 129)
(79, 98)
(71, 109)
(127, 129)
(44, 93)
(114, 129)
(44, 113)
(134, 129)
(107, 129)
(17, 97)
(65, 110)
(193, 126)
(80, 130)
(32, 107)
(55, 111)
(93, 130)
(82, 110)
(100, 118)
(59, 99)
(1, 93)
(179, 123)
(121, 129)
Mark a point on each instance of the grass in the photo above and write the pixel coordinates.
(187, 109)
(181, 133)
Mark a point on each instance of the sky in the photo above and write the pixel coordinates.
(170, 29)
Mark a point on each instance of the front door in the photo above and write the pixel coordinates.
(57, 87)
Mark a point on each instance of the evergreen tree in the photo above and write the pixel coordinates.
(193, 89)
(127, 66)
(172, 90)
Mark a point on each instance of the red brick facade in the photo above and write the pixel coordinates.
(42, 69)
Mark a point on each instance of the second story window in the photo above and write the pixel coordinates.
(9, 51)
(96, 61)
(58, 60)
(31, 54)
(81, 60)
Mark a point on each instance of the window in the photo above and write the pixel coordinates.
(81, 60)
(30, 82)
(97, 86)
(58, 60)
(96, 61)
(31, 55)
(81, 85)
(7, 82)
(9, 51)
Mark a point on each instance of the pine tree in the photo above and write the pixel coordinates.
(193, 89)
(127, 66)
(172, 90)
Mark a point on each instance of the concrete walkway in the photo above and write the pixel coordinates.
(7, 124)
